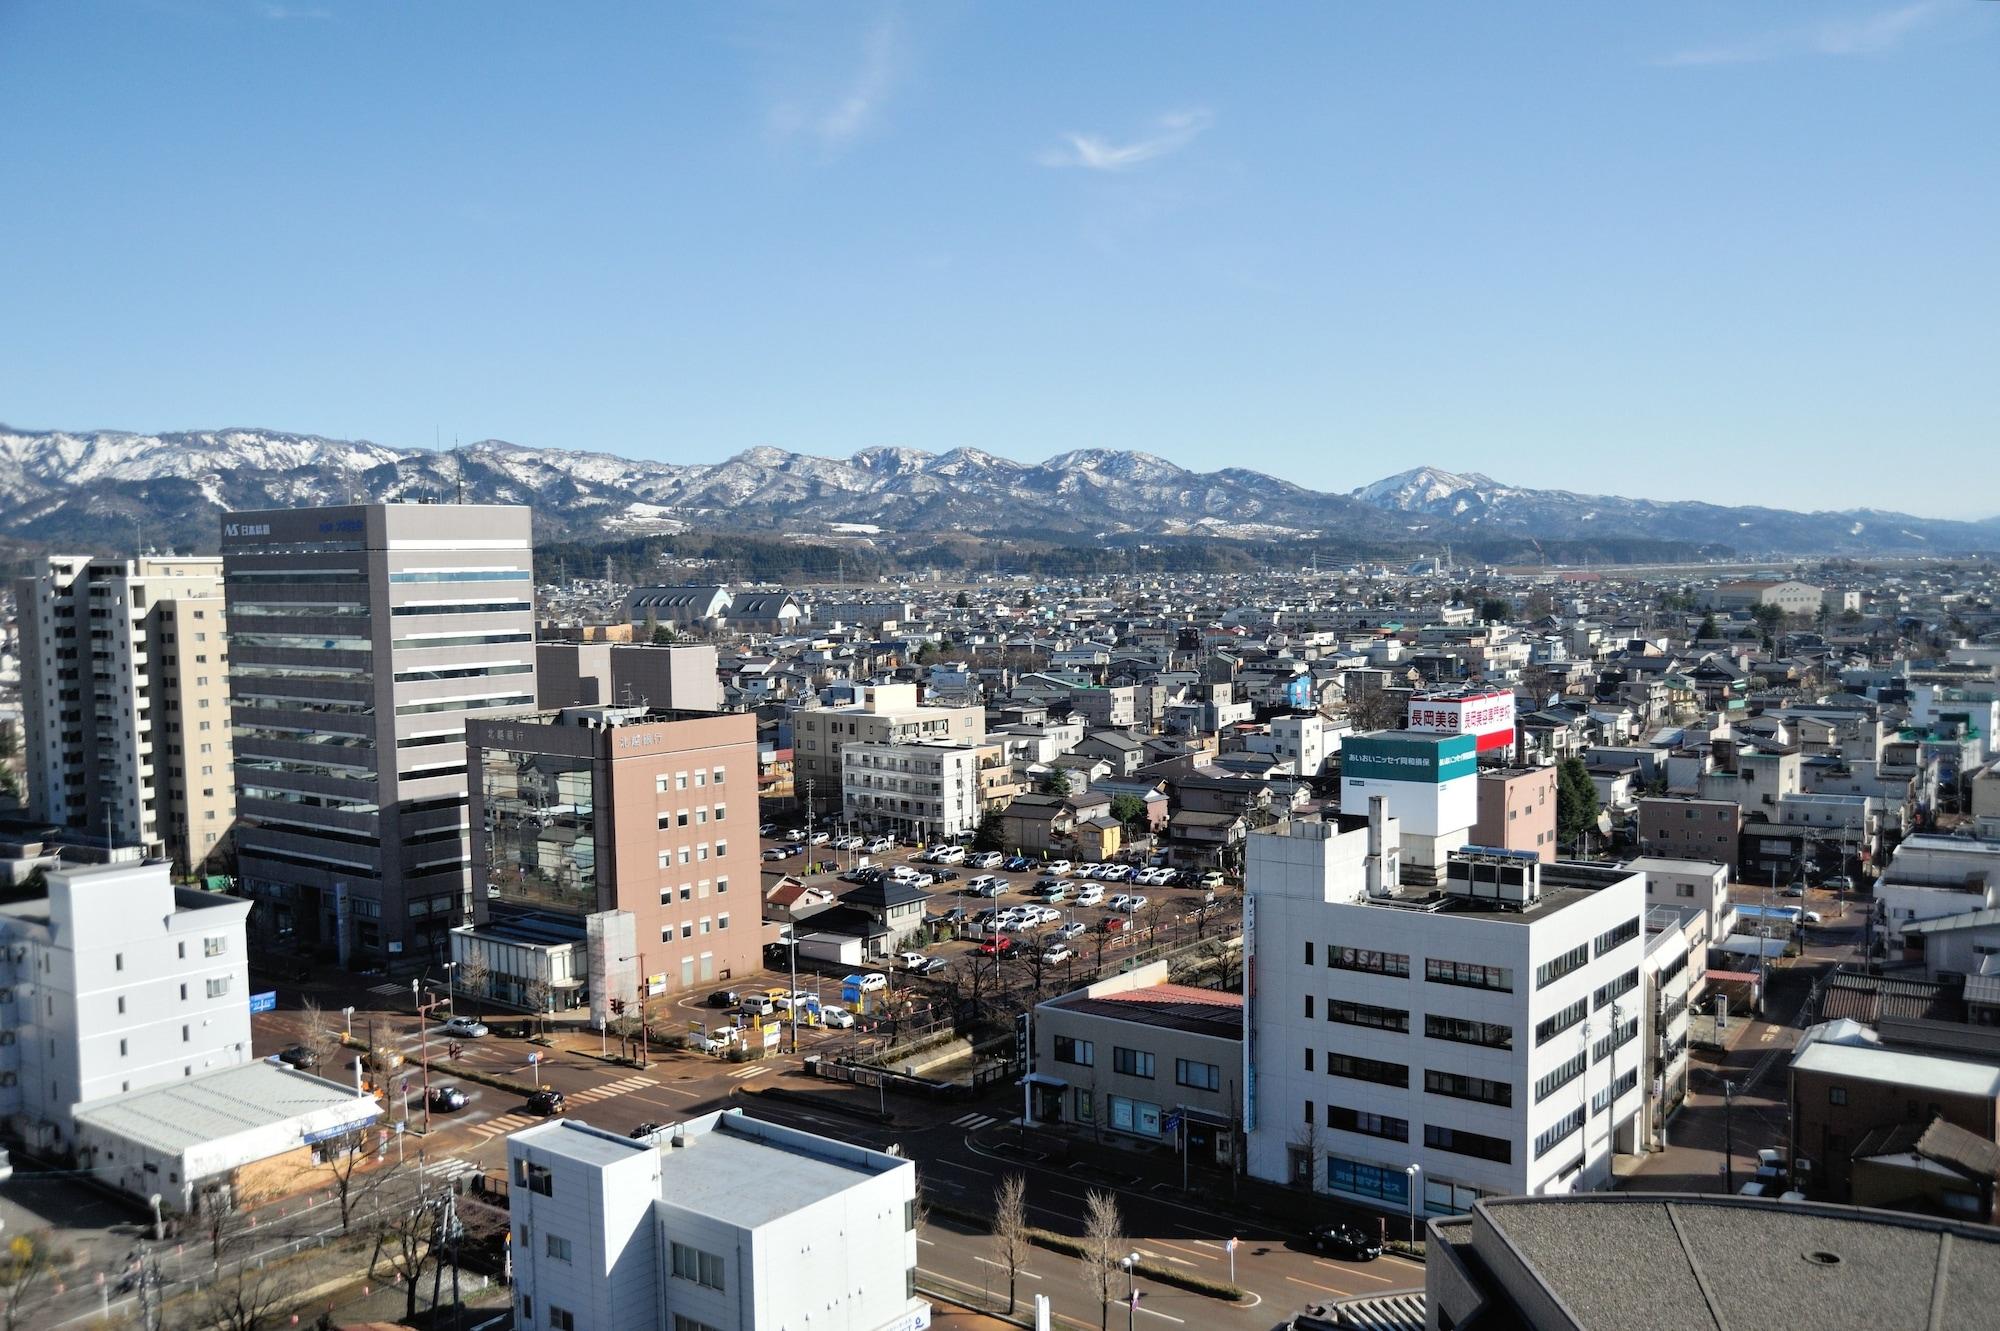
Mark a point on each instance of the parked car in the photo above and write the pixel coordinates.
(724, 998)
(1115, 873)
(447, 1098)
(1073, 929)
(956, 915)
(922, 880)
(879, 845)
(1213, 878)
(777, 852)
(1060, 868)
(934, 966)
(874, 982)
(759, 1005)
(944, 875)
(1810, 917)
(465, 1028)
(767, 829)
(1838, 883)
(1090, 896)
(1794, 890)
(646, 1129)
(979, 882)
(1348, 1242)
(837, 1017)
(1115, 924)
(910, 960)
(948, 855)
(1057, 953)
(820, 838)
(298, 1056)
(986, 859)
(547, 1103)
(1017, 864)
(996, 947)
(847, 843)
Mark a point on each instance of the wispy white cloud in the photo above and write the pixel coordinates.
(857, 105)
(1171, 133)
(1868, 34)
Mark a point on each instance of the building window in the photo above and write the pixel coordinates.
(118, 961)
(1366, 1069)
(561, 1319)
(1081, 1053)
(1549, 1028)
(1309, 952)
(1549, 1083)
(535, 1178)
(1342, 1118)
(1836, 1095)
(218, 986)
(682, 1322)
(1201, 1076)
(1309, 1005)
(1468, 975)
(1461, 1087)
(1552, 1136)
(214, 947)
(1462, 1030)
(1475, 1144)
(716, 776)
(557, 1247)
(1617, 988)
(1367, 1014)
(1131, 1062)
(721, 886)
(722, 921)
(1549, 972)
(1368, 961)
(121, 1005)
(703, 1268)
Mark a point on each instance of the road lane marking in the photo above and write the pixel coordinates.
(1310, 1285)
(1353, 1271)
(1001, 1266)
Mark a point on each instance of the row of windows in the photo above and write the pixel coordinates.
(679, 780)
(1552, 1137)
(694, 891)
(1342, 1118)
(1622, 934)
(679, 817)
(689, 928)
(466, 704)
(1461, 1030)
(681, 854)
(703, 1268)
(1618, 988)
(1549, 1083)
(1461, 1087)
(425, 674)
(1475, 1144)
(1436, 970)
(1549, 1028)
(1549, 972)
(461, 608)
(420, 640)
(462, 575)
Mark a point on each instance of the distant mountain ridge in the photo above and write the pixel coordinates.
(89, 488)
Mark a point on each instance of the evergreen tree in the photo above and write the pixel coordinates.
(1576, 799)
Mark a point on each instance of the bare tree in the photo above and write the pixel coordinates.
(321, 1041)
(346, 1160)
(1306, 1150)
(28, 1269)
(403, 1239)
(251, 1298)
(535, 993)
(1010, 1228)
(1104, 1248)
(224, 1229)
(474, 974)
(1221, 955)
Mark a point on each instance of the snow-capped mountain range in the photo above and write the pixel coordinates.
(61, 488)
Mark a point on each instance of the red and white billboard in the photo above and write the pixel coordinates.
(1489, 716)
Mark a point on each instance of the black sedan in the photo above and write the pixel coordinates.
(547, 1103)
(724, 998)
(447, 1098)
(1348, 1242)
(298, 1056)
(646, 1129)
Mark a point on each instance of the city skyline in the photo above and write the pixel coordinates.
(1707, 242)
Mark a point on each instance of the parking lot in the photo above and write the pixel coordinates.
(1053, 904)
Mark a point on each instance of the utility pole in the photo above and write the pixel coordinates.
(424, 1011)
(1728, 1137)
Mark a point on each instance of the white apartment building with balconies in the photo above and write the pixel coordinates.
(115, 981)
(1481, 1038)
(927, 789)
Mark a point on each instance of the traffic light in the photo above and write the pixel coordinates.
(617, 1007)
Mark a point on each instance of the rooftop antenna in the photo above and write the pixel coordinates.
(458, 466)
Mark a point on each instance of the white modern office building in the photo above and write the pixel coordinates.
(362, 639)
(125, 702)
(115, 981)
(722, 1223)
(1476, 1039)
(926, 789)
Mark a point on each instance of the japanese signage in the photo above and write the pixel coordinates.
(1488, 716)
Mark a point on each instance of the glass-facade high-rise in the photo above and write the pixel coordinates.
(541, 830)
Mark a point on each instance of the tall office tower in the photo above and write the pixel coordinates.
(363, 639)
(125, 702)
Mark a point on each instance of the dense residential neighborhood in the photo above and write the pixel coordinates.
(1430, 886)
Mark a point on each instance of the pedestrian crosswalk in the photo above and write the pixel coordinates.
(443, 1169)
(390, 990)
(973, 1122)
(493, 1127)
(605, 1092)
(748, 1070)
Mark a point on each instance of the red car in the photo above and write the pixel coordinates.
(997, 947)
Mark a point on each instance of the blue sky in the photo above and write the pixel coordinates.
(1676, 250)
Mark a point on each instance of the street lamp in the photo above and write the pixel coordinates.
(450, 989)
(1131, 1265)
(1414, 1173)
